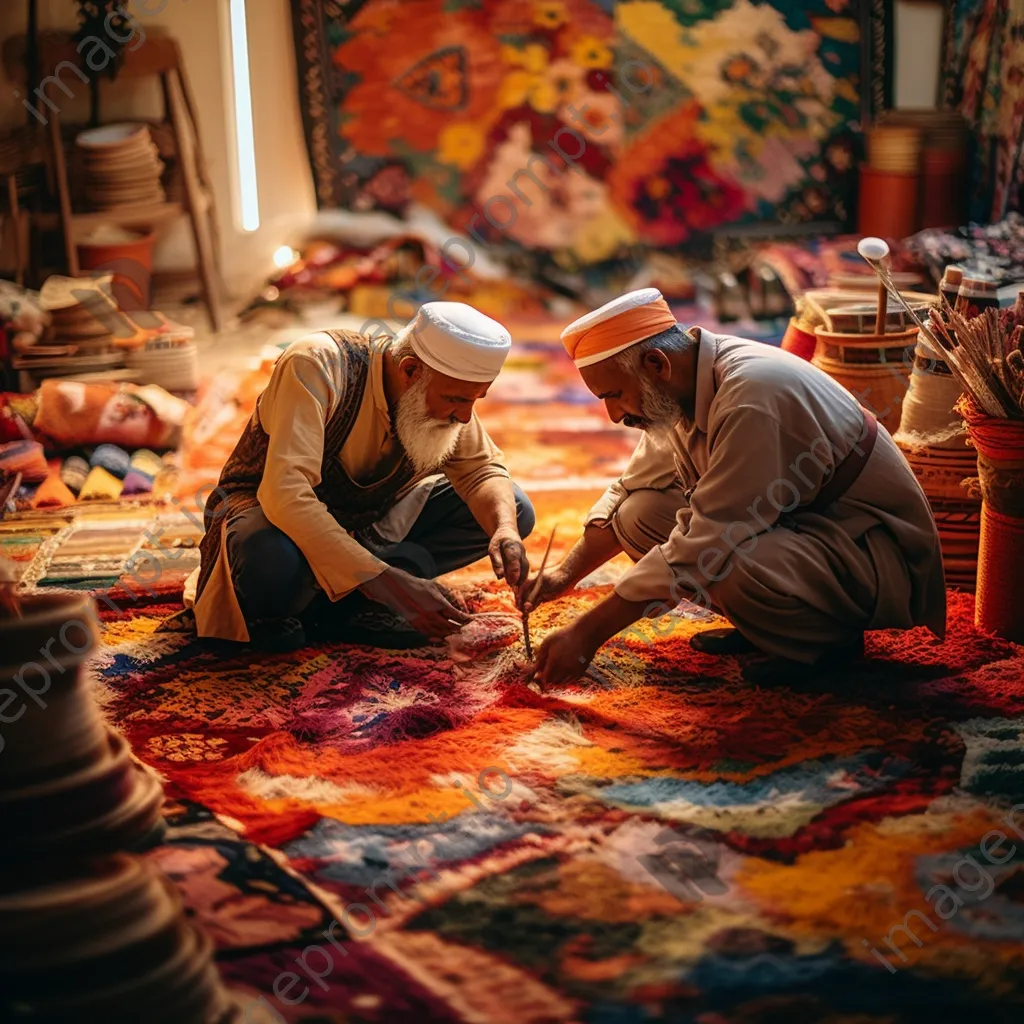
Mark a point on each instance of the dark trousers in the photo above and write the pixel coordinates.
(273, 580)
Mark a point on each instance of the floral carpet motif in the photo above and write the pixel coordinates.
(674, 118)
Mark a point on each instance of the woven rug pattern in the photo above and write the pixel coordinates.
(419, 836)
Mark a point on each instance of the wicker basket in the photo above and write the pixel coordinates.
(875, 368)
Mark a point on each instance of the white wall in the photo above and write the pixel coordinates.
(918, 27)
(287, 200)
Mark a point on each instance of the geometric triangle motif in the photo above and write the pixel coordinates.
(439, 80)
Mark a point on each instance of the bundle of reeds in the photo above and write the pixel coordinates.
(986, 355)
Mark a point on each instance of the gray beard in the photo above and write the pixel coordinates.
(661, 412)
(428, 442)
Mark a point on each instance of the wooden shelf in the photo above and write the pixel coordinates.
(142, 216)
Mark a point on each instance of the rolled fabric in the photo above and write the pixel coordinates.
(101, 485)
(26, 458)
(53, 493)
(73, 473)
(137, 482)
(111, 458)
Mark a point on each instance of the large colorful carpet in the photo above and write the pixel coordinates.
(417, 836)
(677, 117)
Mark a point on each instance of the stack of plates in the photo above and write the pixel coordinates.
(79, 339)
(169, 361)
(119, 166)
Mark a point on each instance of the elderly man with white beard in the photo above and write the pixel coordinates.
(760, 489)
(363, 474)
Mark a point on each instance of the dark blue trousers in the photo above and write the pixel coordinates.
(273, 580)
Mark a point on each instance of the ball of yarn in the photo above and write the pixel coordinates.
(147, 462)
(73, 473)
(137, 482)
(114, 460)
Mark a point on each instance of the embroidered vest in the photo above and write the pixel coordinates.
(354, 506)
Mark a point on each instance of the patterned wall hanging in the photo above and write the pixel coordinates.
(583, 128)
(983, 78)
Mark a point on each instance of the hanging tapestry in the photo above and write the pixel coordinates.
(584, 128)
(983, 78)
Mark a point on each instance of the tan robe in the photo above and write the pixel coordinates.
(769, 429)
(300, 399)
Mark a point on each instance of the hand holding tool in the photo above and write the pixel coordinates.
(534, 591)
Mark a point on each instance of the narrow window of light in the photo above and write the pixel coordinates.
(249, 200)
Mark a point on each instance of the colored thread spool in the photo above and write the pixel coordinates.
(111, 458)
(74, 473)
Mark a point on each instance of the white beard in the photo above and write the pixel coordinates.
(660, 411)
(427, 441)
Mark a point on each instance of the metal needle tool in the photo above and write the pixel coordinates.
(534, 591)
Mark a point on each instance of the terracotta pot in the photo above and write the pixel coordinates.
(875, 368)
(888, 204)
(798, 341)
(131, 263)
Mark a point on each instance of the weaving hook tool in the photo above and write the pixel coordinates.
(534, 591)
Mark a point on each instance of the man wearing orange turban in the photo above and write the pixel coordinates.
(759, 489)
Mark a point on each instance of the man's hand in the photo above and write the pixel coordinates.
(563, 657)
(422, 603)
(554, 583)
(508, 558)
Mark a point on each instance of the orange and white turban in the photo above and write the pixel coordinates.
(616, 326)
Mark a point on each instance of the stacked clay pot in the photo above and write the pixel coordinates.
(87, 933)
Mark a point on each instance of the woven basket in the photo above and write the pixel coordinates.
(875, 368)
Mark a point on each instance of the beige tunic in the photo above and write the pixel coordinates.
(300, 399)
(769, 429)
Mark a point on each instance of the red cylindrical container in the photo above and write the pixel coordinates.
(943, 188)
(888, 205)
(1000, 447)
